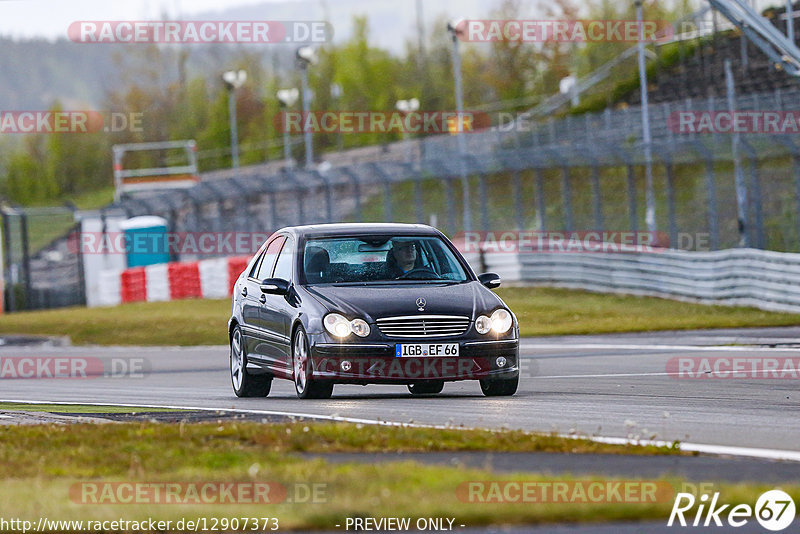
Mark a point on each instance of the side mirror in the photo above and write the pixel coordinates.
(274, 286)
(490, 280)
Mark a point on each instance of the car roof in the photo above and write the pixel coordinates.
(348, 229)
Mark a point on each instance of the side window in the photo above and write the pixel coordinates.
(283, 267)
(256, 266)
(265, 269)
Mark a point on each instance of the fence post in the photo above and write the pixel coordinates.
(387, 191)
(11, 301)
(566, 188)
(26, 258)
(711, 195)
(350, 173)
(671, 223)
(597, 201)
(517, 192)
(632, 198)
(741, 184)
(328, 194)
(299, 193)
(540, 203)
(755, 194)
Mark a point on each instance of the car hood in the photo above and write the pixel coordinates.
(375, 301)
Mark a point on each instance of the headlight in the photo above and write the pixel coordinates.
(501, 321)
(338, 326)
(483, 324)
(359, 327)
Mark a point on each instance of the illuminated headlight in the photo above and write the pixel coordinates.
(345, 365)
(483, 324)
(338, 326)
(501, 321)
(501, 361)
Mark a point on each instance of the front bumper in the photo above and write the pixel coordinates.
(375, 362)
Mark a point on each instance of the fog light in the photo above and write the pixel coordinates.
(501, 361)
(345, 365)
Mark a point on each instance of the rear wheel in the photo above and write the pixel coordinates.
(304, 383)
(245, 384)
(426, 388)
(499, 387)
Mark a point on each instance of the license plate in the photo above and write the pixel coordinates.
(403, 350)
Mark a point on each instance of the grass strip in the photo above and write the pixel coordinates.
(47, 469)
(107, 450)
(78, 408)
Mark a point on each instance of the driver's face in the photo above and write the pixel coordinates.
(405, 253)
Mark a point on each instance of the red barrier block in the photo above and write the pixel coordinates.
(184, 281)
(133, 285)
(235, 267)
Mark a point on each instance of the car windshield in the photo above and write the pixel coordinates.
(366, 259)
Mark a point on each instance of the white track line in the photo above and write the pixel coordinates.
(682, 375)
(619, 346)
(767, 454)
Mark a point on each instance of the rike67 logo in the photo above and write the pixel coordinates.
(774, 510)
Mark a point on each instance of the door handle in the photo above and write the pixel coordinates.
(263, 299)
(244, 291)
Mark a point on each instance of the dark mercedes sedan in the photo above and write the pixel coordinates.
(368, 304)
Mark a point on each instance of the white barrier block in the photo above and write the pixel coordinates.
(213, 278)
(108, 288)
(157, 280)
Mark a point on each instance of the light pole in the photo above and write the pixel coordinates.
(305, 57)
(287, 98)
(234, 79)
(405, 107)
(650, 199)
(455, 28)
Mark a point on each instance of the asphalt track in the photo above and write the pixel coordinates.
(614, 386)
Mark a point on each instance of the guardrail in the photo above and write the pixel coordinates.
(741, 277)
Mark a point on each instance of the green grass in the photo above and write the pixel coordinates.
(45, 467)
(551, 311)
(200, 445)
(541, 311)
(77, 408)
(92, 200)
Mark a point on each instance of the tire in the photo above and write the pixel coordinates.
(426, 388)
(304, 383)
(244, 383)
(502, 387)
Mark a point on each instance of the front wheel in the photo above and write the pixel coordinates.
(499, 387)
(304, 384)
(426, 388)
(244, 383)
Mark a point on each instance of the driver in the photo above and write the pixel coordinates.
(402, 257)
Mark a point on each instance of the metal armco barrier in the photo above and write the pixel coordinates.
(742, 277)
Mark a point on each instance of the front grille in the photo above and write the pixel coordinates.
(423, 326)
